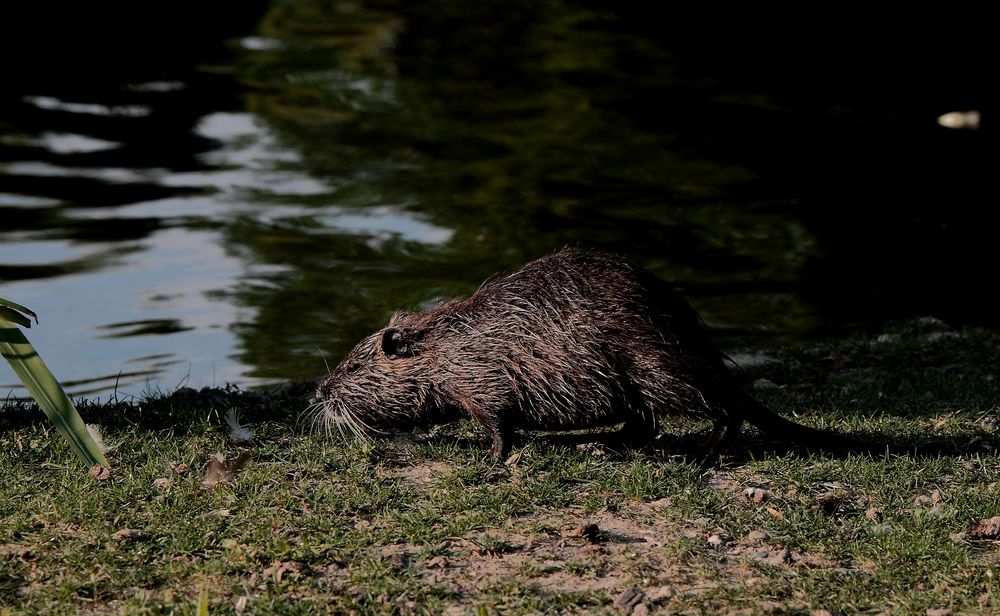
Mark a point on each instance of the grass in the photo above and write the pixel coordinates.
(427, 523)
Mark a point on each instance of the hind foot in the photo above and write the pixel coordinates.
(503, 438)
(723, 434)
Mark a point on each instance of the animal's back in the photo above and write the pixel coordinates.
(580, 340)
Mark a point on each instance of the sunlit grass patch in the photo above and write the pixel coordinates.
(427, 522)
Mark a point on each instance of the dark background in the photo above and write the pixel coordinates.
(782, 164)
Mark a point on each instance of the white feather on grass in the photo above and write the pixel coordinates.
(95, 433)
(241, 435)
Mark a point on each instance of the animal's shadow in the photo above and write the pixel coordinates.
(690, 447)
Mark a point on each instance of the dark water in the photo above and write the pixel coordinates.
(238, 193)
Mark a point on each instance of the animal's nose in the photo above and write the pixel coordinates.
(323, 393)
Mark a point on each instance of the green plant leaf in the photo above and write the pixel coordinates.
(9, 311)
(6, 314)
(48, 393)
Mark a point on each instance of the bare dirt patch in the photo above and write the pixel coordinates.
(634, 560)
(422, 474)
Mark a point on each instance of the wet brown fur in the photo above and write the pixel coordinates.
(573, 340)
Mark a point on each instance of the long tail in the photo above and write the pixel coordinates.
(784, 429)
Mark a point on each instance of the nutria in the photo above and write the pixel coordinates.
(573, 340)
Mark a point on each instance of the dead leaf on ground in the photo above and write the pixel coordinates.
(100, 473)
(985, 529)
(16, 551)
(128, 534)
(628, 600)
(591, 532)
(594, 449)
(940, 424)
(874, 514)
(756, 495)
(438, 561)
(775, 557)
(513, 459)
(219, 471)
(832, 503)
(287, 568)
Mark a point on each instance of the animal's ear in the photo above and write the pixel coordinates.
(398, 343)
(397, 318)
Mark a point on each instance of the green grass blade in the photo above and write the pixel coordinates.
(48, 393)
(7, 307)
(8, 314)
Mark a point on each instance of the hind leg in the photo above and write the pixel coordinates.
(724, 431)
(503, 437)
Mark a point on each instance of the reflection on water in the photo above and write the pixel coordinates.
(245, 210)
(48, 102)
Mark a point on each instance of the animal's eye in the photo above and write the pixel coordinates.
(353, 366)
